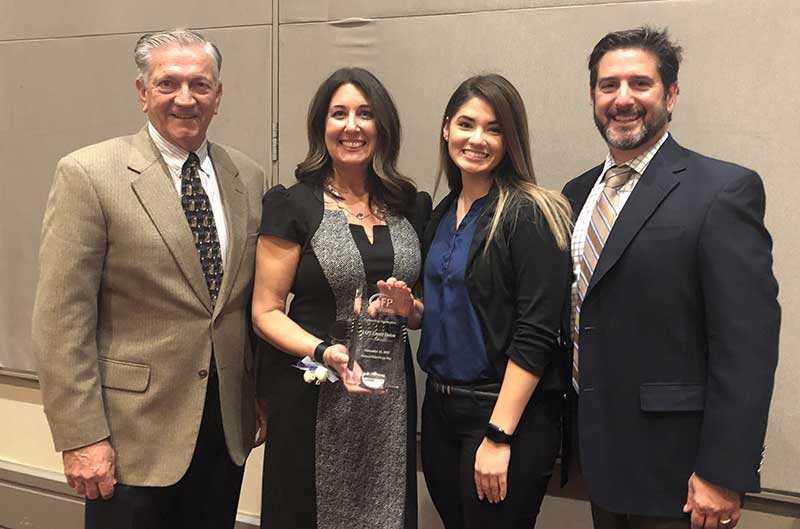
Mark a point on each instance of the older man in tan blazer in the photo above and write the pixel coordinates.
(140, 328)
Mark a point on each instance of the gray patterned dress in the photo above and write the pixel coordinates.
(359, 448)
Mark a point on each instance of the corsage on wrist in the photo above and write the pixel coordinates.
(314, 370)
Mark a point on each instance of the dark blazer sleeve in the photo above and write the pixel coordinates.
(540, 271)
(742, 319)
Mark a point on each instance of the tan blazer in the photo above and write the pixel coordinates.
(123, 326)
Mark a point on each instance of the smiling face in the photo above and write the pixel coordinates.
(180, 94)
(631, 105)
(351, 130)
(474, 139)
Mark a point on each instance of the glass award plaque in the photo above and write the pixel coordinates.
(376, 342)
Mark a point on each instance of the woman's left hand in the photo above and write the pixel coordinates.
(491, 470)
(397, 298)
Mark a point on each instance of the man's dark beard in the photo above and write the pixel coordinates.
(648, 129)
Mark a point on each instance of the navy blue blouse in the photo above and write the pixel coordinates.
(452, 347)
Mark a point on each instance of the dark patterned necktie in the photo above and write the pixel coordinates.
(198, 212)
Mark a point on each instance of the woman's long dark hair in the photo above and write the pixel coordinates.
(513, 176)
(387, 187)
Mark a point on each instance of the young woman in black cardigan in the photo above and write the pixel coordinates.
(495, 280)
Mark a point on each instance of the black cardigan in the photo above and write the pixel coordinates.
(518, 289)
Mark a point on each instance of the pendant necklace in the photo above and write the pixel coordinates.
(339, 199)
(359, 216)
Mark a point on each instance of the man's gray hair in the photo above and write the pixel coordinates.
(174, 37)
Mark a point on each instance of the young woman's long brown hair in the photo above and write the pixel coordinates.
(514, 176)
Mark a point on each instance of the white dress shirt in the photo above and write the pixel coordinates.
(175, 157)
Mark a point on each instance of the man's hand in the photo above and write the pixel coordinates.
(90, 470)
(261, 421)
(712, 506)
(491, 470)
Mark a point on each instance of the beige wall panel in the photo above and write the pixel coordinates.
(59, 95)
(734, 104)
(245, 116)
(21, 411)
(328, 10)
(36, 19)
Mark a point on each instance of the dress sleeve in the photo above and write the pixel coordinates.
(283, 215)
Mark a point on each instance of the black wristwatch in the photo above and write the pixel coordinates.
(498, 435)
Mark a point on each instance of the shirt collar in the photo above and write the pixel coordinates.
(638, 164)
(173, 155)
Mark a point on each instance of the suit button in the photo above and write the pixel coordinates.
(203, 373)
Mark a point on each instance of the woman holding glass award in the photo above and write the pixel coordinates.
(495, 278)
(338, 455)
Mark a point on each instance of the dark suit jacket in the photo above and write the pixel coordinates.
(679, 336)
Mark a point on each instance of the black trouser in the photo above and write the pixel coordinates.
(604, 519)
(206, 496)
(453, 427)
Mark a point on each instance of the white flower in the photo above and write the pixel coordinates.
(321, 373)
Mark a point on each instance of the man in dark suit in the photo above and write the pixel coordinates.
(674, 313)
(140, 327)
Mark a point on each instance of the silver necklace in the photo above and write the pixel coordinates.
(339, 198)
(333, 191)
(359, 216)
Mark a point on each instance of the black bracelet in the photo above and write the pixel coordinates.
(497, 434)
(319, 352)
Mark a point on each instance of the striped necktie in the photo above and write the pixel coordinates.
(603, 218)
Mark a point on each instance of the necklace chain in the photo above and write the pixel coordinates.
(339, 199)
(359, 216)
(333, 191)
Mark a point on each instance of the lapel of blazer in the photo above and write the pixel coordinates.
(153, 186)
(234, 202)
(658, 180)
(579, 189)
(482, 224)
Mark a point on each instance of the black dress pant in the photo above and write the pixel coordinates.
(206, 497)
(453, 427)
(604, 519)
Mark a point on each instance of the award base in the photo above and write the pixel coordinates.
(376, 342)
